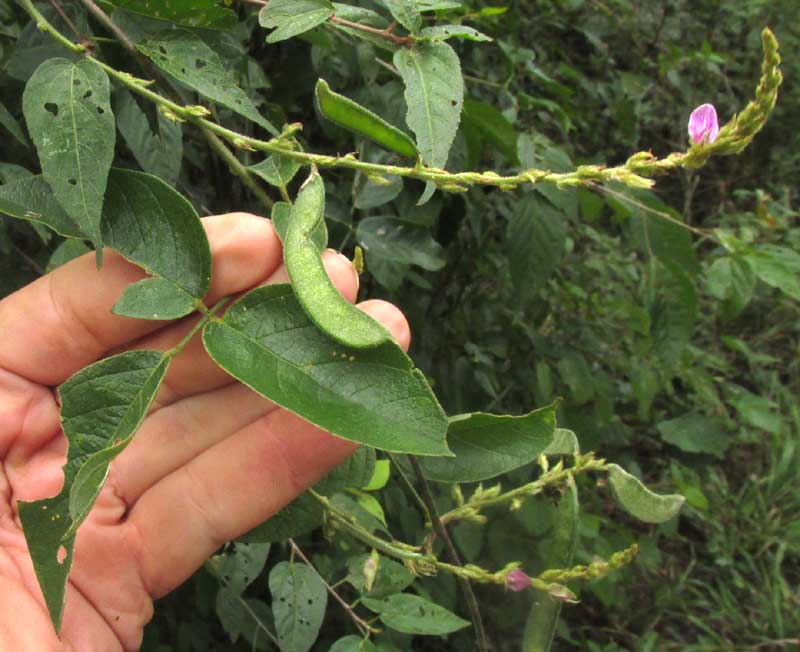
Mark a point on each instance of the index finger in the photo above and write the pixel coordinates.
(62, 322)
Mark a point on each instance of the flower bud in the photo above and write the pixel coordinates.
(703, 125)
(517, 580)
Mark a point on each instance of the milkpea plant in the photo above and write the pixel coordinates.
(301, 345)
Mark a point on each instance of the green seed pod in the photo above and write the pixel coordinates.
(328, 309)
(354, 117)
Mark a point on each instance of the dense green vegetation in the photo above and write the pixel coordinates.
(669, 339)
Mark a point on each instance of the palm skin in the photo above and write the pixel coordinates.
(211, 461)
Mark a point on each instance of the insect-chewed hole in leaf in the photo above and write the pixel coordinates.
(200, 64)
(162, 49)
(51, 108)
(100, 110)
(183, 70)
(72, 182)
(76, 81)
(310, 601)
(61, 555)
(87, 94)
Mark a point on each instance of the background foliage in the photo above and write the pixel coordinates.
(670, 356)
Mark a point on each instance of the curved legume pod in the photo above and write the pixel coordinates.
(328, 309)
(543, 618)
(354, 117)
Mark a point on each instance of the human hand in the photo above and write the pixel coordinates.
(211, 461)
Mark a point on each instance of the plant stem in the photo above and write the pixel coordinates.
(441, 531)
(387, 33)
(237, 168)
(411, 489)
(362, 624)
(635, 172)
(207, 315)
(493, 497)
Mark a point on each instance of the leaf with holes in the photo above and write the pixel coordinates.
(371, 396)
(153, 226)
(411, 614)
(290, 18)
(188, 59)
(101, 408)
(66, 106)
(298, 604)
(434, 91)
(487, 445)
(32, 199)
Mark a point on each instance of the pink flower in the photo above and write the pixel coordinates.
(517, 580)
(703, 125)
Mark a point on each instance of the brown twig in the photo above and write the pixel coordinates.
(387, 33)
(362, 624)
(441, 531)
(73, 28)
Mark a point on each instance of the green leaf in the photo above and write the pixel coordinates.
(778, 267)
(101, 408)
(352, 116)
(731, 279)
(154, 298)
(535, 241)
(301, 516)
(673, 313)
(434, 92)
(561, 544)
(12, 126)
(391, 576)
(353, 643)
(411, 614)
(292, 17)
(240, 566)
(66, 106)
(372, 191)
(443, 32)
(32, 199)
(372, 396)
(328, 309)
(492, 125)
(695, 433)
(158, 153)
(393, 239)
(565, 442)
(488, 445)
(209, 14)
(298, 604)
(639, 501)
(188, 59)
(405, 12)
(153, 226)
(276, 170)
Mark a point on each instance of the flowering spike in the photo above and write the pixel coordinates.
(518, 580)
(703, 125)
